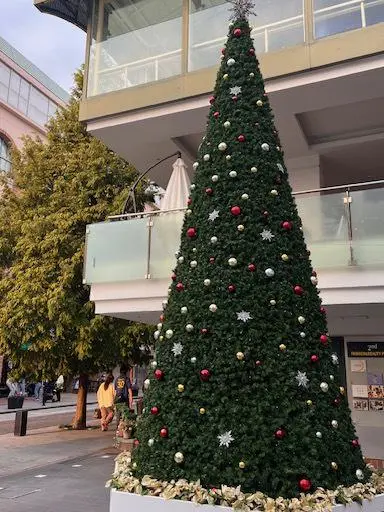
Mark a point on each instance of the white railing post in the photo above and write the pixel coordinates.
(363, 17)
(266, 42)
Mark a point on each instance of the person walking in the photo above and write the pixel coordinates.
(59, 387)
(106, 399)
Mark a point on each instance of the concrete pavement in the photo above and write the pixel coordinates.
(76, 485)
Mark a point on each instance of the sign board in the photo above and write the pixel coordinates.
(366, 349)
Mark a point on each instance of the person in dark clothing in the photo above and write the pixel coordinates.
(123, 390)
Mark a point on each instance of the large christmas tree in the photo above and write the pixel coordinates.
(245, 389)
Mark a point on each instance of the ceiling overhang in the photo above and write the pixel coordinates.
(74, 11)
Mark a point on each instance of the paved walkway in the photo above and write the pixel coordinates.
(49, 445)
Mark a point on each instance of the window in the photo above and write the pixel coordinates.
(38, 107)
(24, 97)
(5, 157)
(5, 73)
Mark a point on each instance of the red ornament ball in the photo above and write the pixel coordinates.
(235, 98)
(286, 225)
(189, 202)
(298, 290)
(241, 138)
(280, 433)
(231, 288)
(173, 276)
(223, 51)
(211, 259)
(235, 210)
(355, 443)
(212, 100)
(314, 358)
(323, 339)
(314, 273)
(305, 484)
(136, 442)
(237, 32)
(159, 374)
(179, 287)
(191, 232)
(252, 267)
(205, 375)
(155, 410)
(258, 363)
(162, 318)
(204, 331)
(209, 191)
(164, 432)
(265, 214)
(251, 51)
(216, 115)
(322, 310)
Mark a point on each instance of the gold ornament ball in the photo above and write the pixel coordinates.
(259, 103)
(334, 465)
(241, 465)
(134, 465)
(285, 257)
(202, 410)
(342, 390)
(282, 347)
(180, 388)
(240, 356)
(225, 77)
(309, 402)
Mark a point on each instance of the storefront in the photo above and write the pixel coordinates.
(364, 370)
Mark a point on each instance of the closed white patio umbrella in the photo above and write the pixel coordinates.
(177, 192)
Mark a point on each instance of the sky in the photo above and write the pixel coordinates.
(52, 44)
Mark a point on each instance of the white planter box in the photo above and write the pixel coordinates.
(126, 502)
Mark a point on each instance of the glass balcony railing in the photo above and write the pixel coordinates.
(133, 42)
(343, 227)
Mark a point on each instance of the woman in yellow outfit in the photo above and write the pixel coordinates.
(106, 399)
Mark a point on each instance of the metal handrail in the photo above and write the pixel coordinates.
(346, 188)
(340, 187)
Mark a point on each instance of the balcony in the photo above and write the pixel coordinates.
(133, 43)
(130, 258)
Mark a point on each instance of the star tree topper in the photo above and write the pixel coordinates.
(242, 9)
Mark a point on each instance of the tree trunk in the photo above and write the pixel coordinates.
(79, 421)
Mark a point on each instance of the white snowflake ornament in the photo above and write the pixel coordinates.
(177, 349)
(235, 91)
(213, 215)
(302, 379)
(244, 316)
(266, 234)
(225, 439)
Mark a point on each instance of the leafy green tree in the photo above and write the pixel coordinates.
(246, 390)
(47, 323)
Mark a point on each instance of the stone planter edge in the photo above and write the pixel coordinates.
(123, 501)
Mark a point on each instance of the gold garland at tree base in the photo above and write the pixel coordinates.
(320, 500)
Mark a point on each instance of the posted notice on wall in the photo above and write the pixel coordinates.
(358, 365)
(359, 391)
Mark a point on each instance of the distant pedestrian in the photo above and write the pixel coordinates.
(59, 387)
(106, 399)
(37, 390)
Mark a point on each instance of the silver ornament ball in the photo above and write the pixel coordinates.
(179, 457)
(169, 334)
(189, 327)
(213, 308)
(232, 262)
(222, 146)
(184, 310)
(207, 282)
(193, 264)
(269, 272)
(213, 239)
